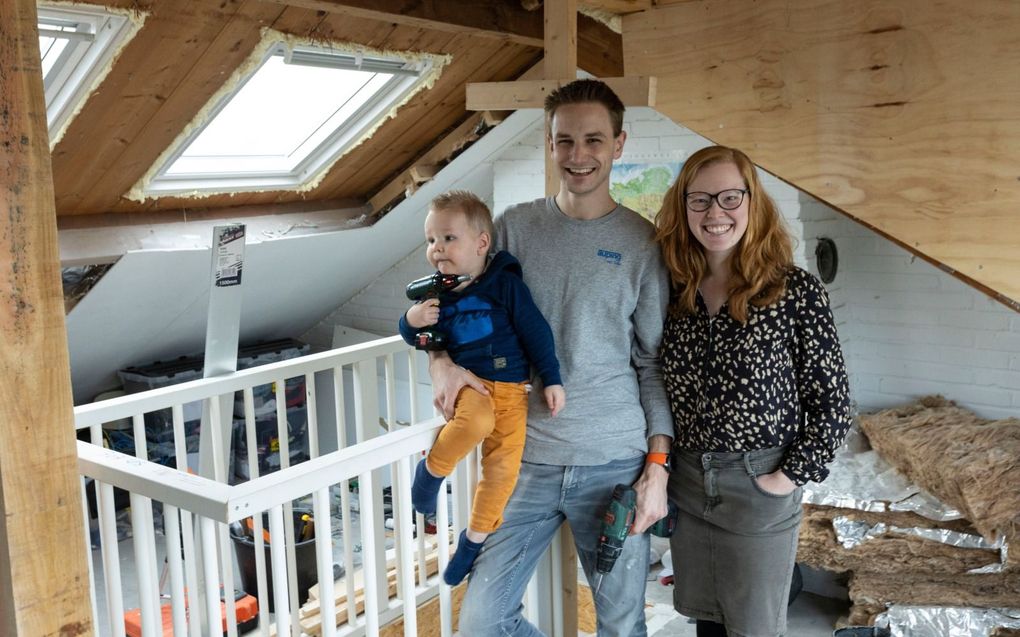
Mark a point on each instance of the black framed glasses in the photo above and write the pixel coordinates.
(727, 199)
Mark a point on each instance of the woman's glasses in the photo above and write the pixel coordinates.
(727, 200)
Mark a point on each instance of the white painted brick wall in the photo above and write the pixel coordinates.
(907, 328)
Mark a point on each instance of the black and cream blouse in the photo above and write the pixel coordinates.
(778, 380)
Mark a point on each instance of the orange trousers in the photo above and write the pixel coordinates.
(499, 422)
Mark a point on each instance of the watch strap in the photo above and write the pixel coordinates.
(657, 457)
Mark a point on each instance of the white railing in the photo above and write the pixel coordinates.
(366, 396)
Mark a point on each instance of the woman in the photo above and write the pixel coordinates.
(758, 391)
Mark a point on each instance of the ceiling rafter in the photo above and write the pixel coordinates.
(502, 20)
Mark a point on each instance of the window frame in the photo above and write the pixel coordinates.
(85, 60)
(407, 76)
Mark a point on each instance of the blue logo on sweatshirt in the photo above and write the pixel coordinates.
(610, 257)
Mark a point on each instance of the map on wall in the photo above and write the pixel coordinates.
(641, 181)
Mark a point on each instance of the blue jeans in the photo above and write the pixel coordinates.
(545, 496)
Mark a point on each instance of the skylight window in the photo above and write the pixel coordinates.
(77, 45)
(288, 121)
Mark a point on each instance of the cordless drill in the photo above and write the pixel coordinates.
(429, 287)
(616, 525)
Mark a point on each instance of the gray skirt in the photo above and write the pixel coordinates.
(735, 544)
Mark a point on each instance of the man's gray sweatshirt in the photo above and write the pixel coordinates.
(602, 286)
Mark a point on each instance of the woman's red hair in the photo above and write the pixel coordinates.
(761, 259)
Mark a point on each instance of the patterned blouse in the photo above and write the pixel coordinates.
(778, 380)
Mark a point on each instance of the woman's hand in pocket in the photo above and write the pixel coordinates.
(776, 483)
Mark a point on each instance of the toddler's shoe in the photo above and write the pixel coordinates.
(462, 561)
(424, 490)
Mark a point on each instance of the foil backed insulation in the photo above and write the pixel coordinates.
(860, 479)
(851, 533)
(946, 621)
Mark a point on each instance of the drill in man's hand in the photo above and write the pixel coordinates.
(429, 287)
(616, 525)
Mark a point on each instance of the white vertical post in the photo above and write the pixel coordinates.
(366, 410)
(214, 618)
(172, 529)
(278, 556)
(283, 436)
(412, 382)
(313, 416)
(347, 530)
(402, 528)
(109, 548)
(324, 557)
(180, 590)
(369, 562)
(251, 443)
(144, 544)
(443, 542)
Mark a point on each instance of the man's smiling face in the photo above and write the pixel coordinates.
(583, 146)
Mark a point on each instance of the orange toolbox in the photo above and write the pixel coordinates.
(247, 616)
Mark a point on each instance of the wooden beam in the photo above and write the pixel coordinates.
(44, 576)
(503, 20)
(560, 39)
(428, 164)
(619, 7)
(634, 91)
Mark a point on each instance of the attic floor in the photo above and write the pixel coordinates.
(810, 615)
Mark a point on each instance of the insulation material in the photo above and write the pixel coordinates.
(894, 552)
(860, 479)
(943, 621)
(966, 461)
(270, 39)
(989, 590)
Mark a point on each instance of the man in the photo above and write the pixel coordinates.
(597, 276)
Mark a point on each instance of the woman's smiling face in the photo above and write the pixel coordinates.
(718, 230)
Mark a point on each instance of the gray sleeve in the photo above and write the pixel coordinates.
(499, 231)
(648, 319)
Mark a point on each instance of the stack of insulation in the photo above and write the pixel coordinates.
(914, 559)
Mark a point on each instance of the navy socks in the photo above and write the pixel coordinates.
(424, 495)
(462, 561)
(425, 490)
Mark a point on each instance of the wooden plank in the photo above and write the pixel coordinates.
(428, 616)
(868, 106)
(238, 36)
(429, 164)
(311, 617)
(619, 7)
(174, 36)
(494, 96)
(560, 49)
(509, 21)
(44, 575)
(504, 21)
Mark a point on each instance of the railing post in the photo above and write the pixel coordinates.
(366, 410)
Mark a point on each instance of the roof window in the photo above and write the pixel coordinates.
(77, 45)
(288, 120)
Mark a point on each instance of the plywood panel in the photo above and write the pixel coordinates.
(901, 114)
